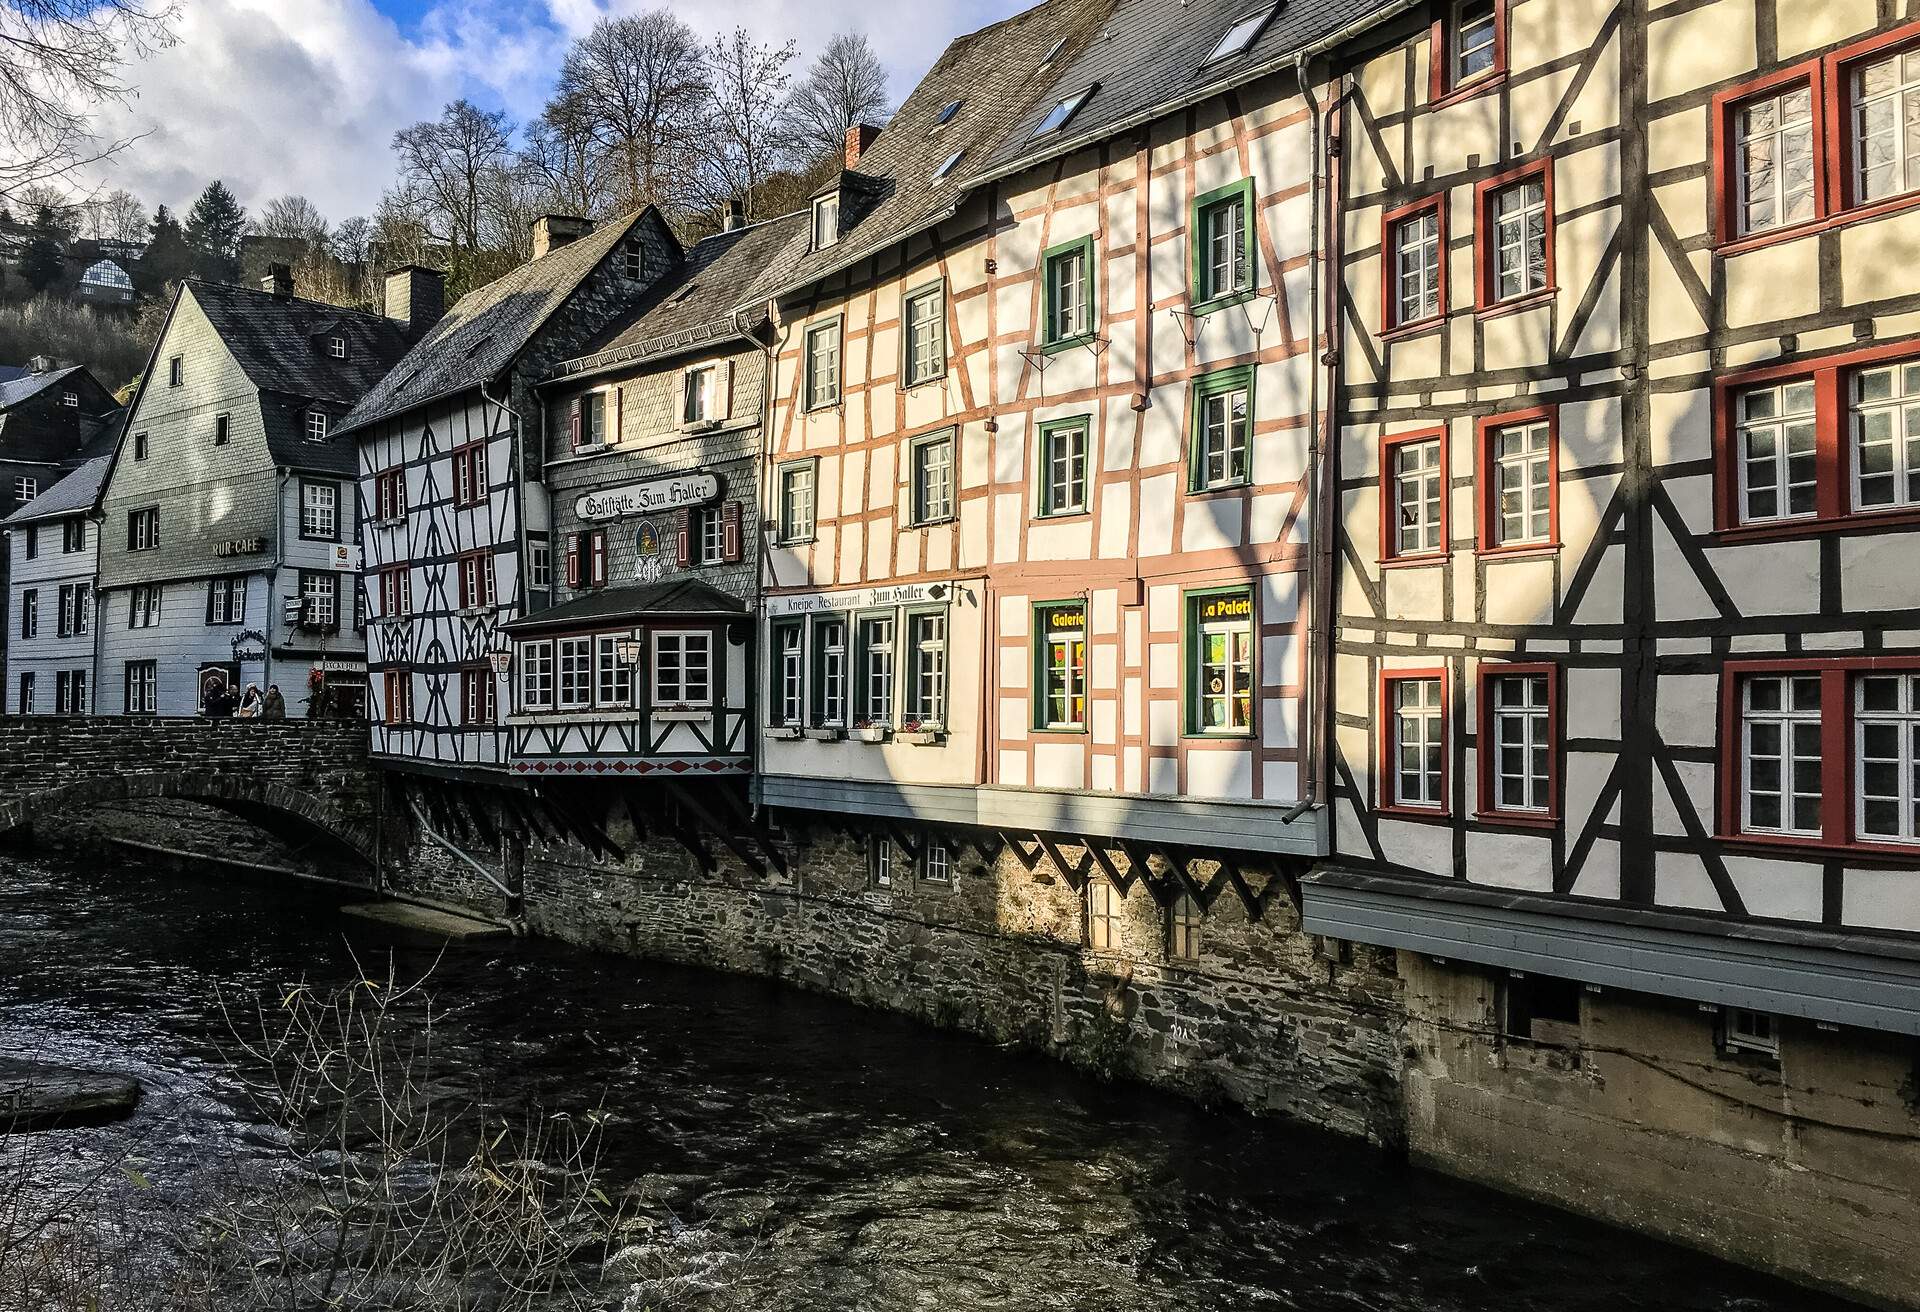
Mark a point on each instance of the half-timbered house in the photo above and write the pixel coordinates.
(1627, 647)
(450, 481)
(644, 665)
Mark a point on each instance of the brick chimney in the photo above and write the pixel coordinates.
(416, 298)
(278, 282)
(552, 231)
(860, 139)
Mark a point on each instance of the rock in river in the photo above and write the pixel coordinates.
(34, 1096)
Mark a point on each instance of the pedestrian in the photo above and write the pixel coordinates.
(275, 706)
(219, 702)
(250, 703)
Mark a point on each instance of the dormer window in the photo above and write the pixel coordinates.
(337, 347)
(1241, 35)
(947, 114)
(1058, 116)
(634, 262)
(826, 221)
(316, 426)
(947, 165)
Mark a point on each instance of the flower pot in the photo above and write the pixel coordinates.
(919, 737)
(826, 734)
(783, 731)
(873, 733)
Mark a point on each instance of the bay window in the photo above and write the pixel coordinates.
(682, 669)
(535, 660)
(613, 676)
(573, 660)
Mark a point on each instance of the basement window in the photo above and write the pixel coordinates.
(1542, 1010)
(1743, 1030)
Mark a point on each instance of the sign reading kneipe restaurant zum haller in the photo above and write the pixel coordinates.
(650, 497)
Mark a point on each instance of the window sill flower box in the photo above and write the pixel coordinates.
(826, 733)
(680, 714)
(783, 731)
(871, 733)
(921, 733)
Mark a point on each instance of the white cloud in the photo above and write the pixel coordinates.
(277, 96)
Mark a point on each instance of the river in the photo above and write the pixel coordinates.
(826, 1157)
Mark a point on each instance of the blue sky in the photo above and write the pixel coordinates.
(303, 96)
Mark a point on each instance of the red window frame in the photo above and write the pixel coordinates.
(1390, 224)
(1487, 509)
(1442, 89)
(1390, 554)
(1833, 199)
(1388, 768)
(470, 473)
(475, 579)
(1485, 276)
(477, 678)
(398, 685)
(1837, 776)
(1833, 486)
(390, 495)
(1484, 746)
(396, 592)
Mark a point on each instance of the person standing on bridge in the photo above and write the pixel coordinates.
(250, 703)
(275, 706)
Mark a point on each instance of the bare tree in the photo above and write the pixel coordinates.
(68, 214)
(116, 216)
(293, 218)
(640, 82)
(60, 62)
(846, 85)
(746, 129)
(392, 1194)
(563, 150)
(448, 167)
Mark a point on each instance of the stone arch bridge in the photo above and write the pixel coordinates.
(309, 779)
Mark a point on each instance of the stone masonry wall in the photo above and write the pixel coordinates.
(1263, 1019)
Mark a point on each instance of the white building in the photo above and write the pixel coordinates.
(53, 545)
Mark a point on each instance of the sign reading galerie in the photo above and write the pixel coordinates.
(656, 494)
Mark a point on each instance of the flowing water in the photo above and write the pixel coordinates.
(819, 1155)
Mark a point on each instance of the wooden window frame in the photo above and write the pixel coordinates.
(811, 403)
(1442, 87)
(1204, 388)
(470, 473)
(390, 485)
(472, 677)
(1040, 621)
(1387, 768)
(396, 686)
(908, 379)
(1488, 495)
(1207, 298)
(1391, 222)
(777, 630)
(817, 672)
(787, 468)
(1485, 746)
(308, 484)
(1390, 555)
(1837, 764)
(1043, 483)
(916, 507)
(715, 694)
(480, 564)
(1486, 273)
(1191, 720)
(1833, 477)
(1090, 282)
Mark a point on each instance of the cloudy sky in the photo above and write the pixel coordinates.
(277, 96)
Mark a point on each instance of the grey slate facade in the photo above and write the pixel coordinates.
(228, 495)
(52, 545)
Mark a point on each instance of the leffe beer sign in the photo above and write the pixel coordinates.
(650, 497)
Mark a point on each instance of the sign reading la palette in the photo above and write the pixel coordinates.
(650, 497)
(1231, 606)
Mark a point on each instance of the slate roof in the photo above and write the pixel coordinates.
(73, 494)
(998, 75)
(29, 385)
(276, 342)
(676, 597)
(488, 326)
(1150, 58)
(9, 372)
(694, 304)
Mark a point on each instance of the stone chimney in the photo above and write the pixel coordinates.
(278, 282)
(552, 231)
(736, 217)
(860, 139)
(40, 364)
(416, 297)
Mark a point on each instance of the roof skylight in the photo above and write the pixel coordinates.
(1052, 51)
(946, 165)
(1057, 116)
(1241, 35)
(946, 115)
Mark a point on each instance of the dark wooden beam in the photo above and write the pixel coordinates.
(1075, 873)
(685, 797)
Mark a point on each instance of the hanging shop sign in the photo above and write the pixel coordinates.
(648, 498)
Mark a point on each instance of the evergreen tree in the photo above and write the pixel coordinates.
(45, 259)
(168, 258)
(215, 225)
